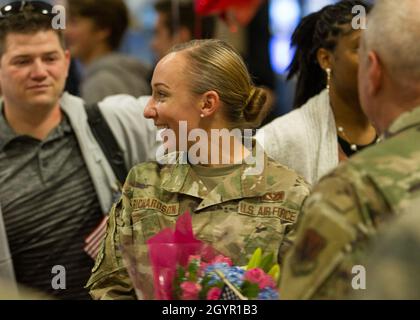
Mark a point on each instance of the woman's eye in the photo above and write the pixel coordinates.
(160, 95)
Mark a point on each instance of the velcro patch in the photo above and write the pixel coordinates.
(170, 209)
(273, 196)
(268, 210)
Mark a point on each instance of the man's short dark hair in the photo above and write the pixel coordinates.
(26, 22)
(200, 27)
(105, 14)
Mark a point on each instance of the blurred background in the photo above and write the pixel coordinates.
(264, 42)
(270, 29)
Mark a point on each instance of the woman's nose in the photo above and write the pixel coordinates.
(150, 110)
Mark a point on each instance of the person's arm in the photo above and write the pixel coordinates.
(122, 269)
(110, 279)
(392, 270)
(327, 245)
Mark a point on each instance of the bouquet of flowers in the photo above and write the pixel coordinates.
(220, 279)
(176, 265)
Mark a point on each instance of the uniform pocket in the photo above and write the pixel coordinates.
(267, 234)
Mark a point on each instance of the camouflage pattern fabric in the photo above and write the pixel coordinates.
(346, 209)
(392, 270)
(240, 214)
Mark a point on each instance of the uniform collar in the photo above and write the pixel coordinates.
(181, 178)
(404, 122)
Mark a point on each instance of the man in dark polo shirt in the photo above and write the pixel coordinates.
(55, 181)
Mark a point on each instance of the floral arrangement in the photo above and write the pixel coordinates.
(175, 265)
(220, 279)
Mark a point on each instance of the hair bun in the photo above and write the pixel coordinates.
(255, 109)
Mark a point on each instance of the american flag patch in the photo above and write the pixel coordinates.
(94, 240)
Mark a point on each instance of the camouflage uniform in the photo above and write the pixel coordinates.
(345, 210)
(240, 214)
(393, 268)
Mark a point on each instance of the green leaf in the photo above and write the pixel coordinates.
(193, 268)
(275, 273)
(179, 278)
(255, 259)
(250, 290)
(267, 262)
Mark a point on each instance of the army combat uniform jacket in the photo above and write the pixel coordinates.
(240, 214)
(346, 209)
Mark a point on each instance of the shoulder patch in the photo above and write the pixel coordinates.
(304, 258)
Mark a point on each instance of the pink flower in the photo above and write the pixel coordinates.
(203, 266)
(214, 293)
(267, 282)
(190, 290)
(258, 276)
(221, 259)
(255, 275)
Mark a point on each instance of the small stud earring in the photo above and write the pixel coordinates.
(202, 115)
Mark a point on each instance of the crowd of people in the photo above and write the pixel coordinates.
(332, 185)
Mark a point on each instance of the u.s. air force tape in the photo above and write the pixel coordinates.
(268, 210)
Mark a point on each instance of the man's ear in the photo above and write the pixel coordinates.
(210, 103)
(375, 73)
(324, 58)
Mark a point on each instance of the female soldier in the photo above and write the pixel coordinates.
(204, 83)
(329, 125)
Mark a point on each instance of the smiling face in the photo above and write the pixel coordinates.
(172, 100)
(33, 69)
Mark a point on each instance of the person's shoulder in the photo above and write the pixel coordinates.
(283, 135)
(285, 121)
(344, 176)
(347, 196)
(390, 160)
(286, 180)
(67, 99)
(146, 170)
(313, 107)
(123, 61)
(276, 170)
(119, 102)
(151, 171)
(73, 106)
